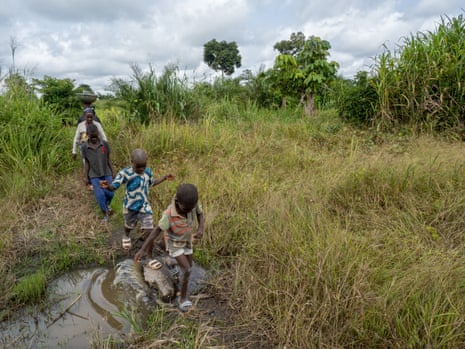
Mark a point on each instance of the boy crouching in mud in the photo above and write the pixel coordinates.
(177, 224)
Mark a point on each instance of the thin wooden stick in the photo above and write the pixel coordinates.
(64, 311)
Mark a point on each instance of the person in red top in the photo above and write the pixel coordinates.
(177, 223)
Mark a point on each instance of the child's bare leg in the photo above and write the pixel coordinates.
(185, 263)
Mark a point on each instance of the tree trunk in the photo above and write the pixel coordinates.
(283, 103)
(309, 105)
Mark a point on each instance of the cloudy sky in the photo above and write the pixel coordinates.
(93, 41)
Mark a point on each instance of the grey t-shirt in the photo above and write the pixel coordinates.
(98, 159)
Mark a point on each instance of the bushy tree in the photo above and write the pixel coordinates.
(222, 56)
(60, 94)
(293, 46)
(303, 68)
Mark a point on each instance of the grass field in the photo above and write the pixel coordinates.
(317, 234)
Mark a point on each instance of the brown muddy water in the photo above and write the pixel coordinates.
(85, 307)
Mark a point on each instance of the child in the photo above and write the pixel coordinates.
(177, 225)
(98, 167)
(136, 206)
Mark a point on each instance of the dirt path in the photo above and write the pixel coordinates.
(72, 215)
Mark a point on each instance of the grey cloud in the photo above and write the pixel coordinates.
(84, 10)
(95, 41)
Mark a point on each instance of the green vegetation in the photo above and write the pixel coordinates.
(302, 68)
(319, 232)
(223, 56)
(420, 84)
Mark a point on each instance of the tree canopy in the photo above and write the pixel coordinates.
(302, 68)
(222, 56)
(293, 46)
(61, 94)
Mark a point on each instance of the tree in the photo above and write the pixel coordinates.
(222, 56)
(293, 46)
(285, 77)
(303, 67)
(61, 94)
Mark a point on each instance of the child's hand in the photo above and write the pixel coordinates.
(139, 255)
(198, 235)
(104, 184)
(170, 177)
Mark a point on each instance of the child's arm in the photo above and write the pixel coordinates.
(75, 142)
(168, 177)
(101, 131)
(198, 234)
(147, 247)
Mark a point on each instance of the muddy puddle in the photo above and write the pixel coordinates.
(85, 307)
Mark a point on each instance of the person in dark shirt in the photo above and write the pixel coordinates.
(98, 167)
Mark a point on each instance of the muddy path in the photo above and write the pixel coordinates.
(71, 216)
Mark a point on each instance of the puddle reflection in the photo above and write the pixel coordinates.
(82, 305)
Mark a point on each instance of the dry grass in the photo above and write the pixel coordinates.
(316, 236)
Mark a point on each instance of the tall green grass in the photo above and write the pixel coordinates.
(421, 82)
(353, 244)
(31, 146)
(319, 235)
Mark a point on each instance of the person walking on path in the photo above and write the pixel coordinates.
(81, 133)
(87, 109)
(97, 168)
(138, 178)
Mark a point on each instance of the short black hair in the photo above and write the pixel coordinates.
(187, 195)
(139, 155)
(92, 128)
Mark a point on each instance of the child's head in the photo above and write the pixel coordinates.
(92, 134)
(186, 197)
(139, 160)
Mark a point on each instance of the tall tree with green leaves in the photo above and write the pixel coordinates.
(291, 47)
(306, 67)
(222, 56)
(60, 94)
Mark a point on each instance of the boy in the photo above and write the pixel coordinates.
(177, 224)
(98, 167)
(136, 206)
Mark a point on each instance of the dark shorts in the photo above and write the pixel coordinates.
(132, 217)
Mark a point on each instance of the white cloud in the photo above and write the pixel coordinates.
(95, 41)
